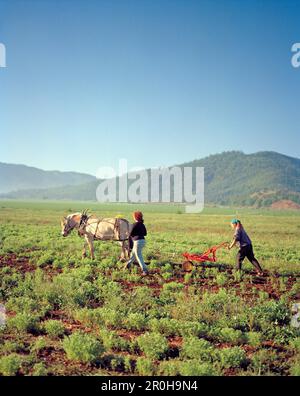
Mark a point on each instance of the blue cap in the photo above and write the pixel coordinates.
(235, 221)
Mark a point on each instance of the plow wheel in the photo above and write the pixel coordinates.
(188, 266)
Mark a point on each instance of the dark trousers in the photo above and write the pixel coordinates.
(247, 251)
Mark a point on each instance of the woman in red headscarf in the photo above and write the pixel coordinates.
(137, 234)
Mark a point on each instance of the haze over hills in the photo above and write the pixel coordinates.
(20, 177)
(231, 178)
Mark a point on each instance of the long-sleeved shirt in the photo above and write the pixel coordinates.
(242, 237)
(138, 231)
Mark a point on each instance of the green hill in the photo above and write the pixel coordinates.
(248, 179)
(20, 177)
(231, 178)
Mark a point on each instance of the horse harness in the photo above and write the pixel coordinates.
(84, 220)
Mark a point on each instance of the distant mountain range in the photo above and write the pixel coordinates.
(20, 177)
(231, 178)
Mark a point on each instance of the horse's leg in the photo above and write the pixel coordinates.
(91, 246)
(123, 255)
(84, 247)
(127, 249)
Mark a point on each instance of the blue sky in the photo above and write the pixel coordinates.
(159, 82)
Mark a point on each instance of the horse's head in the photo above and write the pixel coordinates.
(69, 222)
(83, 222)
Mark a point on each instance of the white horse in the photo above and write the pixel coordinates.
(93, 228)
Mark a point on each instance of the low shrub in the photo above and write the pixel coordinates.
(39, 370)
(197, 348)
(141, 299)
(271, 312)
(254, 338)
(262, 360)
(170, 367)
(39, 344)
(24, 322)
(154, 345)
(238, 321)
(117, 363)
(136, 321)
(295, 344)
(280, 334)
(196, 329)
(45, 259)
(221, 279)
(233, 357)
(111, 340)
(154, 264)
(187, 277)
(73, 289)
(167, 267)
(109, 317)
(218, 305)
(28, 305)
(128, 364)
(107, 289)
(87, 316)
(295, 290)
(167, 275)
(232, 336)
(13, 346)
(82, 347)
(54, 328)
(295, 368)
(10, 364)
(237, 276)
(174, 287)
(196, 368)
(165, 326)
(145, 366)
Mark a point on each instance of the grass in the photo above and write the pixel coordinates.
(69, 316)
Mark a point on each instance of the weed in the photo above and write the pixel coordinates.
(195, 368)
(195, 348)
(82, 347)
(112, 341)
(145, 366)
(54, 328)
(233, 357)
(10, 364)
(39, 370)
(232, 336)
(24, 322)
(154, 345)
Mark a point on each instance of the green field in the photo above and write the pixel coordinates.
(72, 316)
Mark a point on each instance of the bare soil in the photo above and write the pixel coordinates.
(285, 204)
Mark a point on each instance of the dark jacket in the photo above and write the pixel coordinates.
(242, 237)
(138, 231)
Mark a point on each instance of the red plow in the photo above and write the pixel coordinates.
(208, 256)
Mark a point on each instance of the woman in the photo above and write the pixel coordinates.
(245, 246)
(137, 235)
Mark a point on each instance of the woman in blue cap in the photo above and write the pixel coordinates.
(244, 243)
